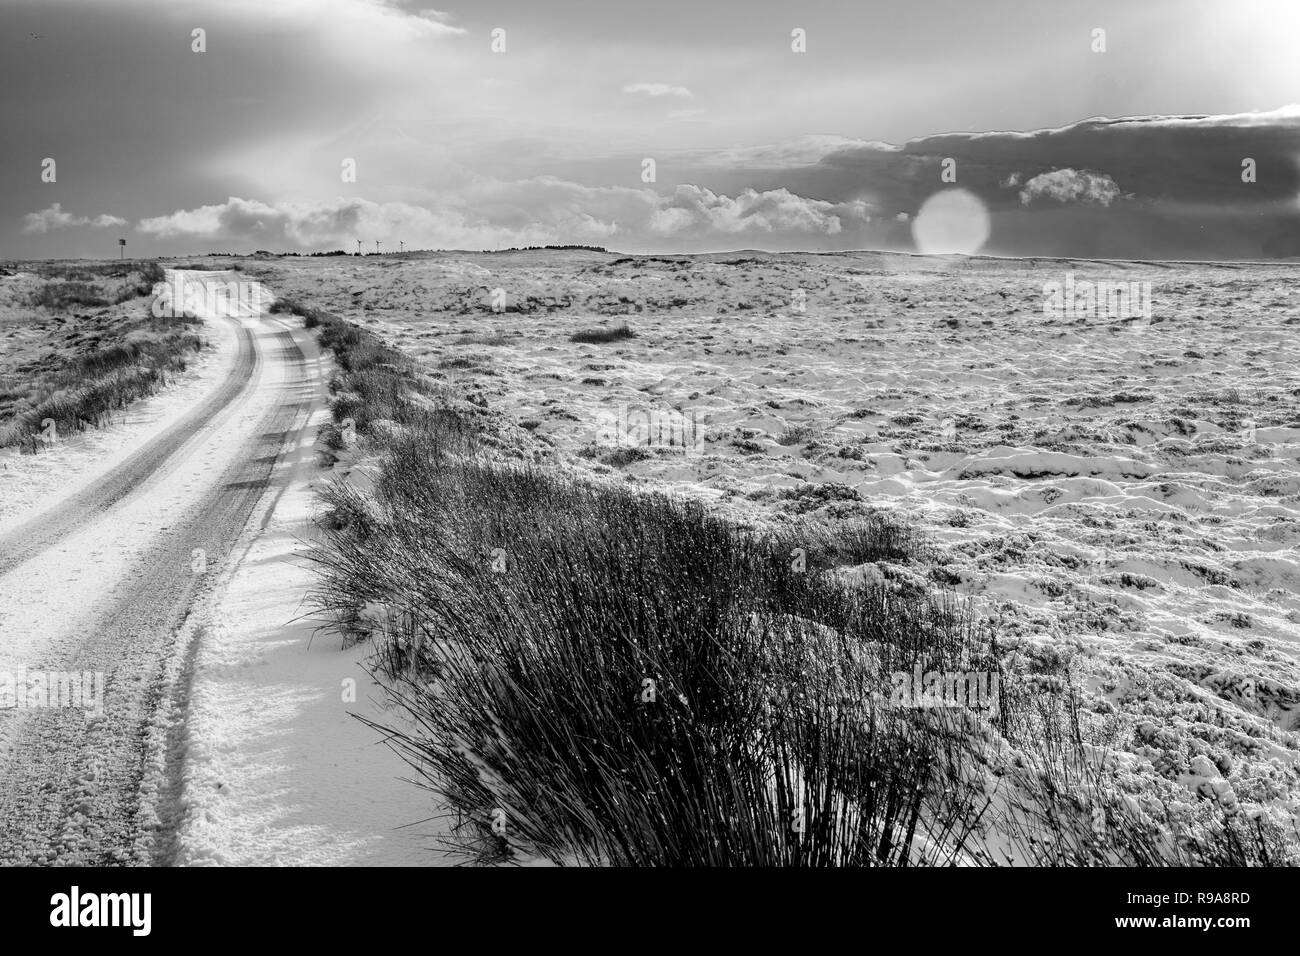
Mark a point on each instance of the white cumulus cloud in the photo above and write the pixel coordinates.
(56, 218)
(337, 222)
(543, 210)
(693, 209)
(1071, 185)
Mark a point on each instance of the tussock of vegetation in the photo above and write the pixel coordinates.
(867, 539)
(799, 434)
(102, 364)
(631, 680)
(94, 284)
(309, 315)
(61, 295)
(84, 390)
(594, 674)
(77, 271)
(490, 338)
(602, 336)
(378, 383)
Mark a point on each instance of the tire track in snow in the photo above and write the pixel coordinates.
(71, 790)
(45, 529)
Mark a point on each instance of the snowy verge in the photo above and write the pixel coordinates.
(276, 767)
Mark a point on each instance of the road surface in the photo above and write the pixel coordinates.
(103, 581)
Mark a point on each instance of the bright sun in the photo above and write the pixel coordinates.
(954, 220)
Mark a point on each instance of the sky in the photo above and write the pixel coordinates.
(1160, 129)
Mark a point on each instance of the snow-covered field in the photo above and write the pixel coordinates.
(1118, 490)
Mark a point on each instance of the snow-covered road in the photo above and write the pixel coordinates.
(166, 553)
(100, 580)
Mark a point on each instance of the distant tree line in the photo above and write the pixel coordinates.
(565, 248)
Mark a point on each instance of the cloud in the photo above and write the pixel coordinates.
(493, 214)
(698, 211)
(1181, 179)
(658, 89)
(1196, 159)
(54, 217)
(805, 150)
(335, 223)
(1071, 185)
(1047, 192)
(361, 20)
(441, 22)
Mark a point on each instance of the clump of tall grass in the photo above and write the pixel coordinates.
(376, 383)
(866, 538)
(310, 316)
(625, 678)
(92, 285)
(84, 390)
(798, 434)
(61, 295)
(607, 676)
(602, 336)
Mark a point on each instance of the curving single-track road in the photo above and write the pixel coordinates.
(104, 581)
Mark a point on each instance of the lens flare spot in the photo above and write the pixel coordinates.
(954, 220)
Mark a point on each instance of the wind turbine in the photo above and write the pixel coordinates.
(358, 247)
(376, 247)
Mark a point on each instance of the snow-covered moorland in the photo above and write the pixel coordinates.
(1117, 495)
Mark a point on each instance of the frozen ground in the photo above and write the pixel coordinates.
(1120, 492)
